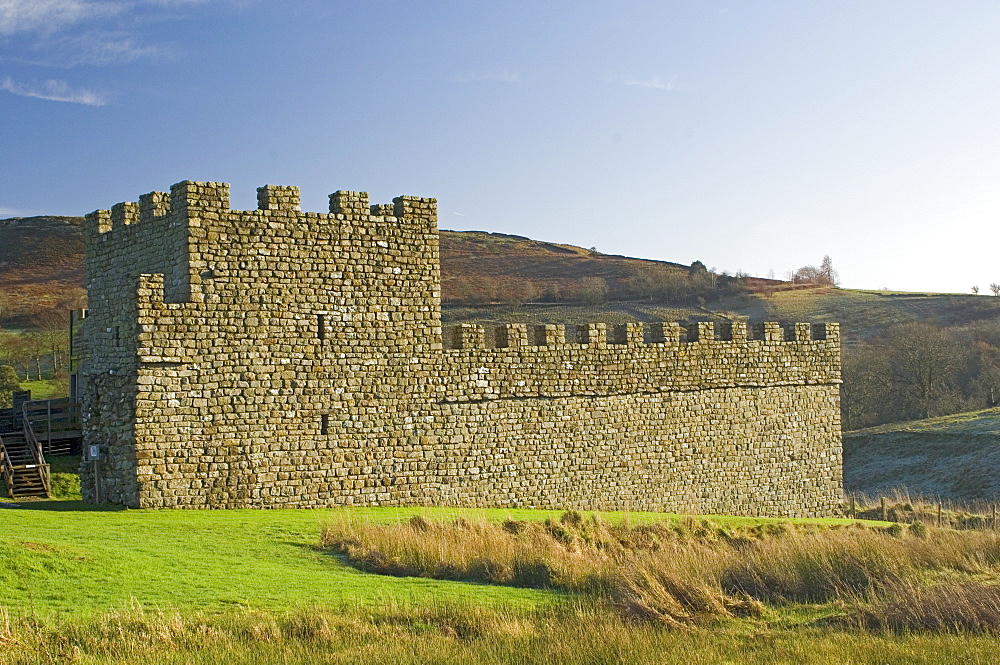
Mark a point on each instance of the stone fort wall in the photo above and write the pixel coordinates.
(275, 358)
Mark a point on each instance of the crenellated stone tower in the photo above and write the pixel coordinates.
(275, 358)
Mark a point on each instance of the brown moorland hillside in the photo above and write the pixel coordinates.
(495, 267)
(499, 277)
(479, 267)
(41, 267)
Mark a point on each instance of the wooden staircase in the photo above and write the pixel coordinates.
(28, 432)
(23, 467)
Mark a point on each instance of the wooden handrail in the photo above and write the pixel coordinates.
(8, 469)
(45, 473)
(58, 403)
(29, 433)
(36, 450)
(53, 420)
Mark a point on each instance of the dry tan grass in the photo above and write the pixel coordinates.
(571, 634)
(949, 606)
(683, 574)
(906, 508)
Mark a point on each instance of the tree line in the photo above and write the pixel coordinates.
(38, 353)
(695, 284)
(921, 370)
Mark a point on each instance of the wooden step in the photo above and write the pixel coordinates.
(28, 475)
(29, 491)
(27, 481)
(22, 494)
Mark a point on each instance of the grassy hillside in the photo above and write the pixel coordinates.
(954, 457)
(862, 314)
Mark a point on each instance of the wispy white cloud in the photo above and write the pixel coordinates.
(499, 75)
(68, 33)
(94, 47)
(106, 48)
(48, 16)
(656, 83)
(85, 32)
(54, 90)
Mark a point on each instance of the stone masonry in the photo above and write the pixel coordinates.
(275, 358)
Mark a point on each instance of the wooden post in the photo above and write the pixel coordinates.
(939, 514)
(883, 509)
(854, 509)
(994, 516)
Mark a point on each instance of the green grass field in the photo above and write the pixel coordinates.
(863, 313)
(67, 557)
(84, 584)
(45, 389)
(63, 557)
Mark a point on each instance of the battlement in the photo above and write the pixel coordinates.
(520, 335)
(516, 361)
(278, 197)
(206, 199)
(343, 202)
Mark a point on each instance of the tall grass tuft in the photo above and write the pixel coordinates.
(950, 606)
(817, 567)
(682, 574)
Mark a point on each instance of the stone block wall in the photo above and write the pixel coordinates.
(273, 358)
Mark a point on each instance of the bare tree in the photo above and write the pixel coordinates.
(985, 374)
(807, 275)
(995, 288)
(924, 361)
(866, 383)
(15, 353)
(825, 275)
(53, 327)
(593, 290)
(35, 345)
(826, 270)
(975, 290)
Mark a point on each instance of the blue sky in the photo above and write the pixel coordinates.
(753, 136)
